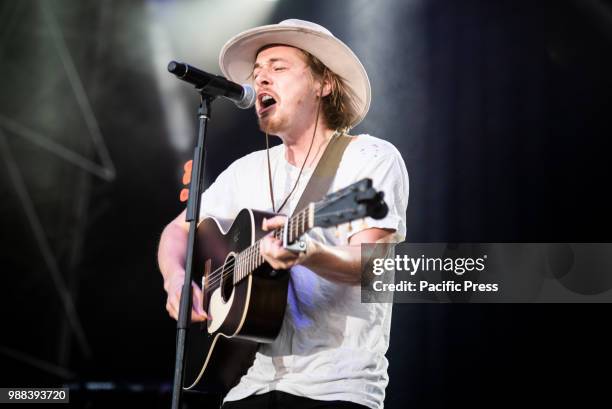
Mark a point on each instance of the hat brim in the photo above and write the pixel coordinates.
(238, 56)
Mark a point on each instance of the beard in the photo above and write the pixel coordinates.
(271, 124)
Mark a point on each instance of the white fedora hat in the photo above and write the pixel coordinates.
(238, 55)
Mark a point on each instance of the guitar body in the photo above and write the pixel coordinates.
(220, 350)
(244, 297)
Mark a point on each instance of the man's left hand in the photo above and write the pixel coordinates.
(272, 249)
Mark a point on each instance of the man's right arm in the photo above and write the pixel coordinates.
(171, 260)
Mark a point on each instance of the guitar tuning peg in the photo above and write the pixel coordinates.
(337, 232)
(349, 228)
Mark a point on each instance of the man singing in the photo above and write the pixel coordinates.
(311, 88)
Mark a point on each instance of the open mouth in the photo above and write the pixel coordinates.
(266, 101)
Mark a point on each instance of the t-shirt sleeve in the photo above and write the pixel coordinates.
(388, 173)
(218, 200)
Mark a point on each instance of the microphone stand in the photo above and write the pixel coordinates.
(193, 212)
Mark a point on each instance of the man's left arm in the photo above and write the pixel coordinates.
(336, 263)
(342, 263)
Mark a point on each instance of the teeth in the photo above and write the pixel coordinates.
(266, 98)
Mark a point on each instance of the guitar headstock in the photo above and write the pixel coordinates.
(354, 202)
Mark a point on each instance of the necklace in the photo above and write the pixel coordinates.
(271, 189)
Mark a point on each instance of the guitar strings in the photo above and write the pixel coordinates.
(219, 274)
(227, 270)
(213, 279)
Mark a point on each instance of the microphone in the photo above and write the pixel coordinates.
(214, 85)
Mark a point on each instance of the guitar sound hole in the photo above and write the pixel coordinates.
(227, 281)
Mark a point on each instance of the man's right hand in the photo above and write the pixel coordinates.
(174, 287)
(171, 259)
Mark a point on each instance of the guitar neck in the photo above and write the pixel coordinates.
(250, 258)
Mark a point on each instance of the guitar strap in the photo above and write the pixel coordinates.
(321, 180)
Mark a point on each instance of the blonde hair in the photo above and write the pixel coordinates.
(336, 105)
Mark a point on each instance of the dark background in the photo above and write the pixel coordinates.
(501, 110)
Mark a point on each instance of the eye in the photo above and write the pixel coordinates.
(279, 68)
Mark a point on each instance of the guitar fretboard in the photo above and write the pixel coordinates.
(249, 259)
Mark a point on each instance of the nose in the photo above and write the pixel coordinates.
(262, 78)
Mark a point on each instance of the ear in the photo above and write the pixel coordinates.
(326, 87)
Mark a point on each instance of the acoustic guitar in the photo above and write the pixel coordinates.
(244, 297)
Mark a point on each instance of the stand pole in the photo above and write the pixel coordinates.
(193, 211)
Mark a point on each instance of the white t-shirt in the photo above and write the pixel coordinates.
(331, 346)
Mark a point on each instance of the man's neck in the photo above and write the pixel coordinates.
(297, 145)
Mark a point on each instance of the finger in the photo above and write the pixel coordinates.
(197, 312)
(264, 250)
(197, 299)
(278, 258)
(173, 300)
(269, 246)
(172, 311)
(279, 252)
(173, 304)
(275, 254)
(276, 222)
(264, 244)
(197, 317)
(273, 223)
